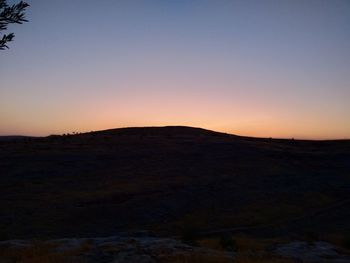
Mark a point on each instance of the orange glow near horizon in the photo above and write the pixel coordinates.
(252, 68)
(238, 117)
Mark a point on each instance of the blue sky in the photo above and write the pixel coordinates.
(260, 68)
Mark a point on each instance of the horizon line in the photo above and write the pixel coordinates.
(193, 127)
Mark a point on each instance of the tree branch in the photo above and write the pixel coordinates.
(10, 15)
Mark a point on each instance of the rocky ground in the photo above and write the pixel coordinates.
(114, 249)
(315, 252)
(143, 248)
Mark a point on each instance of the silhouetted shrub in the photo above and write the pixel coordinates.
(190, 234)
(311, 236)
(346, 240)
(4, 235)
(228, 243)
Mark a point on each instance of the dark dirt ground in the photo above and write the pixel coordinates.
(169, 178)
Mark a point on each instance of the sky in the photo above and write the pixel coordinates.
(259, 68)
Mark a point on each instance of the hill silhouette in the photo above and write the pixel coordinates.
(161, 131)
(165, 178)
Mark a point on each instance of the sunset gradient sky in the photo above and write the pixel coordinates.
(259, 68)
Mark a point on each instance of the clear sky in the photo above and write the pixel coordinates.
(260, 68)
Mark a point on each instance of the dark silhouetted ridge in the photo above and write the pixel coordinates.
(177, 131)
(157, 178)
(15, 137)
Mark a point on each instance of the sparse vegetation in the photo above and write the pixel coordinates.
(38, 252)
(228, 243)
(264, 258)
(311, 236)
(198, 258)
(184, 186)
(190, 233)
(346, 240)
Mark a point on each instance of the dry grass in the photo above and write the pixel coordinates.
(222, 258)
(197, 258)
(211, 243)
(44, 252)
(243, 243)
(263, 258)
(341, 240)
(40, 252)
(248, 243)
(248, 249)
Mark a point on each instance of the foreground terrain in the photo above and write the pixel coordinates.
(177, 182)
(150, 249)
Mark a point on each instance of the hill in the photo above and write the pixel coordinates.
(169, 179)
(15, 137)
(161, 131)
